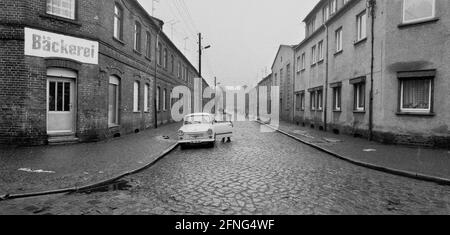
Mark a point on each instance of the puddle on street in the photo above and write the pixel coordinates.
(121, 185)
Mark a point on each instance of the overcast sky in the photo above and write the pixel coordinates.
(244, 34)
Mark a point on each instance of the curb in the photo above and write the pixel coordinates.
(408, 174)
(91, 186)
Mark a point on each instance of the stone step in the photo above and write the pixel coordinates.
(62, 139)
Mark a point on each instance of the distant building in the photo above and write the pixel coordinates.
(283, 76)
(84, 70)
(411, 89)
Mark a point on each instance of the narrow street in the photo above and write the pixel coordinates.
(258, 173)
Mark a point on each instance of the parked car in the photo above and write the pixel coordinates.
(204, 128)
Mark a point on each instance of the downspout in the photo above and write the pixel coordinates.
(372, 4)
(294, 73)
(155, 75)
(325, 118)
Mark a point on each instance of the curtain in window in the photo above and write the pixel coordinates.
(416, 94)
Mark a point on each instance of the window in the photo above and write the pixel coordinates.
(326, 13)
(417, 10)
(361, 24)
(337, 98)
(299, 65)
(149, 46)
(320, 50)
(415, 95)
(172, 64)
(320, 100)
(360, 96)
(146, 97)
(313, 55)
(164, 100)
(179, 70)
(313, 100)
(297, 101)
(137, 36)
(158, 93)
(62, 8)
(160, 56)
(165, 58)
(339, 40)
(136, 97)
(303, 61)
(118, 22)
(113, 101)
(302, 101)
(333, 6)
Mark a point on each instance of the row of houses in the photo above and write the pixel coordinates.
(84, 70)
(370, 68)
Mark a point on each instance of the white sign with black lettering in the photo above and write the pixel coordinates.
(45, 44)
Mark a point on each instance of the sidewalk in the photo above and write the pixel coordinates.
(430, 162)
(81, 164)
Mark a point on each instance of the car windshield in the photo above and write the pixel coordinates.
(197, 119)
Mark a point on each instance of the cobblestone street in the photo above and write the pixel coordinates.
(258, 173)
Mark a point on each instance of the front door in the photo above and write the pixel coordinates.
(60, 97)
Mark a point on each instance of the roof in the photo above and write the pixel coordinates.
(316, 7)
(278, 52)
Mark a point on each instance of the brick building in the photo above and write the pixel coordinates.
(406, 72)
(84, 70)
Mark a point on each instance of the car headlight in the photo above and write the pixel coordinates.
(180, 133)
(210, 132)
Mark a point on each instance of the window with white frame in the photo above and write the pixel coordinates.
(313, 55)
(361, 25)
(337, 98)
(299, 68)
(339, 40)
(360, 96)
(320, 100)
(62, 8)
(302, 98)
(146, 97)
(313, 100)
(417, 10)
(320, 51)
(118, 22)
(415, 95)
(136, 97)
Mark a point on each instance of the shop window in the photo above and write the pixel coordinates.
(62, 8)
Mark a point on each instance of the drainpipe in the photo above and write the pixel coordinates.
(326, 82)
(294, 73)
(372, 4)
(155, 110)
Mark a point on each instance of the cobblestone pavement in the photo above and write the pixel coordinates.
(258, 173)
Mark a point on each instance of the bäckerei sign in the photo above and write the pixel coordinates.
(45, 44)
